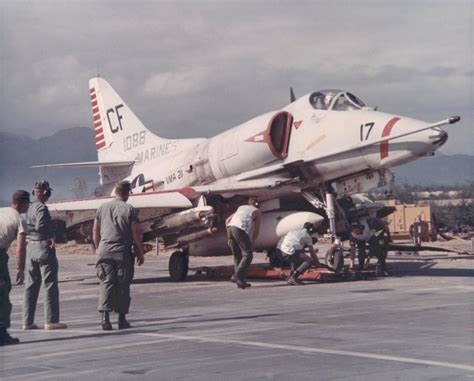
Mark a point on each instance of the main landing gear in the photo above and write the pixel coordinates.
(178, 265)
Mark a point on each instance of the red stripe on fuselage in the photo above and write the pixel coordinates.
(100, 145)
(386, 132)
(94, 103)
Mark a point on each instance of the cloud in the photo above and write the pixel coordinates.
(185, 82)
(230, 61)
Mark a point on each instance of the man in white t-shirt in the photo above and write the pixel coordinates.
(12, 227)
(291, 249)
(242, 230)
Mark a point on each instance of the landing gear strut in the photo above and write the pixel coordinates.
(335, 255)
(178, 265)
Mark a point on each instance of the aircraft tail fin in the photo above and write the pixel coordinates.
(119, 134)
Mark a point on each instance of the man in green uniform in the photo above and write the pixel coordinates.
(242, 230)
(41, 262)
(11, 226)
(116, 229)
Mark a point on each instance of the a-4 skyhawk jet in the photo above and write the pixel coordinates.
(298, 162)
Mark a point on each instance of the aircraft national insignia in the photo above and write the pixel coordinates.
(297, 124)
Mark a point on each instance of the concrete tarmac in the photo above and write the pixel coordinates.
(417, 324)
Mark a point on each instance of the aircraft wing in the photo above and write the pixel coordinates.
(152, 204)
(169, 200)
(88, 164)
(249, 187)
(282, 168)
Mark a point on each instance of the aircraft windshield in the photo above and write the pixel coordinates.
(335, 100)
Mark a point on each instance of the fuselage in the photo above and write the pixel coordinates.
(301, 131)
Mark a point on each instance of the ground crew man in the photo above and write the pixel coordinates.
(242, 230)
(11, 226)
(291, 249)
(41, 262)
(116, 229)
(367, 231)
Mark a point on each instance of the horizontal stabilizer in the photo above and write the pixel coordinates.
(87, 164)
(140, 201)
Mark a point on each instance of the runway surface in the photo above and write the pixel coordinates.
(417, 324)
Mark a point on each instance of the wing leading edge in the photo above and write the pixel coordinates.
(140, 201)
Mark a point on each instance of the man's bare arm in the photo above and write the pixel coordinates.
(96, 233)
(257, 221)
(352, 256)
(227, 221)
(312, 252)
(21, 256)
(137, 240)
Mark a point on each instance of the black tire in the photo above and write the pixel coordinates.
(178, 266)
(335, 259)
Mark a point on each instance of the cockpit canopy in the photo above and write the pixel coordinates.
(336, 100)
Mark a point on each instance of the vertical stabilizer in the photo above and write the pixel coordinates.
(118, 132)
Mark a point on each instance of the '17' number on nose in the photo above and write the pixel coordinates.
(368, 127)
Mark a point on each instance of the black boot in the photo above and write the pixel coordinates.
(122, 322)
(6, 339)
(106, 326)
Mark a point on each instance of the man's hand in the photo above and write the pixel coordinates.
(52, 243)
(20, 276)
(140, 259)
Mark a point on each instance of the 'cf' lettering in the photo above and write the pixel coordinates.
(119, 118)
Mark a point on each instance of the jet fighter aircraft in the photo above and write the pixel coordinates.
(297, 161)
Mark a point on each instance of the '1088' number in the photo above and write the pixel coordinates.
(135, 140)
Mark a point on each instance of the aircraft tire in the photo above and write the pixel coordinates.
(335, 259)
(178, 266)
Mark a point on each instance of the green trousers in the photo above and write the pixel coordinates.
(241, 246)
(115, 276)
(5, 287)
(41, 269)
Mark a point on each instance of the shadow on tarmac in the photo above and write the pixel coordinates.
(404, 269)
(137, 329)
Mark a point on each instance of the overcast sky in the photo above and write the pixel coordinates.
(197, 68)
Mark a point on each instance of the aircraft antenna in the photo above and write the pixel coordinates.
(292, 95)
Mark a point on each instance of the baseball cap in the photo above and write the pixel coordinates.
(43, 185)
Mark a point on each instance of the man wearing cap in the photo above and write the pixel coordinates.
(116, 229)
(11, 226)
(41, 262)
(291, 249)
(242, 230)
(368, 231)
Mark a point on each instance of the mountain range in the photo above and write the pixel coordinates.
(18, 153)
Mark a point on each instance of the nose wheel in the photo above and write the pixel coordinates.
(335, 258)
(178, 266)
